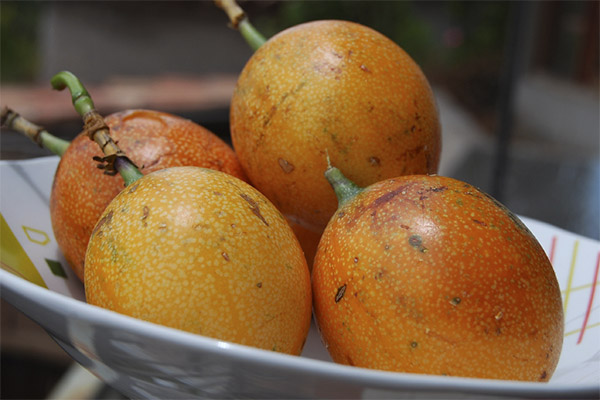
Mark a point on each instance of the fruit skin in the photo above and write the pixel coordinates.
(153, 140)
(333, 87)
(202, 251)
(430, 275)
(309, 241)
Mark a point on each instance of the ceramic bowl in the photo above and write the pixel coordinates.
(144, 360)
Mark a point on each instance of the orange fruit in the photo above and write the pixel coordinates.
(201, 251)
(153, 140)
(427, 274)
(309, 241)
(333, 87)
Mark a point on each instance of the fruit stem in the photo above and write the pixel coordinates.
(345, 190)
(114, 159)
(81, 98)
(36, 133)
(239, 20)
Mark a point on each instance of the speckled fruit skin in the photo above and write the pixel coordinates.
(331, 87)
(430, 275)
(153, 140)
(201, 251)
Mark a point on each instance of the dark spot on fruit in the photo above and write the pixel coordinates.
(133, 188)
(145, 212)
(411, 154)
(478, 222)
(438, 189)
(416, 242)
(254, 207)
(374, 161)
(404, 226)
(259, 285)
(364, 68)
(340, 293)
(103, 221)
(225, 256)
(355, 260)
(544, 375)
(285, 165)
(414, 345)
(217, 193)
(455, 301)
(386, 197)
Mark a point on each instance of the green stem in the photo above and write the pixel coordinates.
(345, 189)
(115, 159)
(239, 20)
(81, 98)
(129, 172)
(55, 144)
(36, 133)
(252, 36)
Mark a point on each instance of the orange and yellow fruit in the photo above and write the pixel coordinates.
(336, 88)
(153, 140)
(201, 251)
(427, 274)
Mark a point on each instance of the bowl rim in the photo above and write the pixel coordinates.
(19, 290)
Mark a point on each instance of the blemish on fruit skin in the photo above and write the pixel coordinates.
(414, 345)
(254, 207)
(145, 212)
(543, 376)
(374, 161)
(285, 165)
(103, 221)
(225, 256)
(385, 198)
(133, 188)
(455, 301)
(340, 293)
(416, 242)
(478, 222)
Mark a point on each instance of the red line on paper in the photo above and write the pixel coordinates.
(591, 301)
(552, 249)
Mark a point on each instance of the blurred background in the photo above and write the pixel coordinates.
(516, 84)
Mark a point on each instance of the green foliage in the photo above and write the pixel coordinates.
(484, 25)
(18, 40)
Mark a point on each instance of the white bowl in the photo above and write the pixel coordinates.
(144, 360)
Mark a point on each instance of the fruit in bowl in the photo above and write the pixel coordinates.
(152, 139)
(427, 274)
(194, 249)
(334, 87)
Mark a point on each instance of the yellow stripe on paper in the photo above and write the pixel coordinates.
(13, 257)
(571, 273)
(597, 324)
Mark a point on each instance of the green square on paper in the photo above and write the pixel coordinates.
(56, 268)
